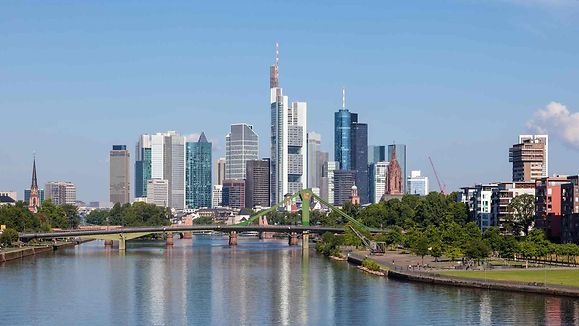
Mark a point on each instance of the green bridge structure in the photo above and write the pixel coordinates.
(123, 234)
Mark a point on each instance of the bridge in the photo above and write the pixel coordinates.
(128, 233)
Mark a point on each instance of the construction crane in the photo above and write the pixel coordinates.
(441, 185)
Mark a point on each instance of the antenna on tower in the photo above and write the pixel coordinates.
(343, 98)
(276, 53)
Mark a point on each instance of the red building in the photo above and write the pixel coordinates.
(554, 199)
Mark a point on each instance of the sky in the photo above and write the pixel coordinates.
(456, 80)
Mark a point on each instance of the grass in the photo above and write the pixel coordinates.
(559, 277)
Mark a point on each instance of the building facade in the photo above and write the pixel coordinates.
(241, 145)
(234, 193)
(328, 186)
(288, 141)
(377, 153)
(220, 170)
(377, 186)
(257, 191)
(344, 180)
(548, 205)
(529, 158)
(502, 196)
(60, 192)
(198, 173)
(142, 165)
(542, 139)
(314, 156)
(359, 160)
(158, 192)
(482, 205)
(417, 184)
(217, 196)
(119, 175)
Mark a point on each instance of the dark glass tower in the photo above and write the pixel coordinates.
(342, 140)
(198, 173)
(359, 157)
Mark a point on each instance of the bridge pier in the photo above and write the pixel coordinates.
(169, 241)
(122, 243)
(187, 235)
(293, 239)
(305, 240)
(233, 238)
(108, 243)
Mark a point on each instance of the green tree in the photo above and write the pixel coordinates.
(53, 215)
(421, 246)
(521, 214)
(72, 217)
(8, 236)
(453, 252)
(477, 249)
(494, 238)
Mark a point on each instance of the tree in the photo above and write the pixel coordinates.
(453, 252)
(494, 238)
(421, 246)
(394, 237)
(521, 214)
(8, 236)
(477, 249)
(71, 213)
(54, 215)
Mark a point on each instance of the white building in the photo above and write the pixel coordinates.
(60, 192)
(482, 205)
(217, 196)
(378, 173)
(241, 145)
(288, 141)
(329, 168)
(502, 196)
(158, 192)
(541, 139)
(417, 184)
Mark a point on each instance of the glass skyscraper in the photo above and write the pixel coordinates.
(142, 166)
(343, 140)
(198, 173)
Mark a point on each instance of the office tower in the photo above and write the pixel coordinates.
(257, 190)
(394, 177)
(220, 170)
(217, 196)
(234, 193)
(529, 158)
(377, 172)
(158, 192)
(359, 160)
(288, 140)
(343, 182)
(34, 197)
(142, 165)
(328, 181)
(377, 153)
(417, 184)
(314, 170)
(198, 173)
(119, 175)
(401, 158)
(343, 135)
(241, 145)
(323, 158)
(60, 192)
(174, 168)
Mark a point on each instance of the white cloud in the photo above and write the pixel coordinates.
(556, 120)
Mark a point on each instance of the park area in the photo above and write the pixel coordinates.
(566, 277)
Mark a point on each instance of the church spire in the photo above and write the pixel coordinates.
(34, 184)
(34, 199)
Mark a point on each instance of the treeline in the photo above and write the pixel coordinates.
(137, 214)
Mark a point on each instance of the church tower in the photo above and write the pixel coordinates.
(394, 176)
(34, 200)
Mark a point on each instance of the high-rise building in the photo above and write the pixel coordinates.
(529, 158)
(344, 180)
(314, 170)
(377, 153)
(328, 188)
(343, 135)
(142, 165)
(158, 192)
(34, 197)
(401, 158)
(257, 190)
(323, 158)
(417, 184)
(377, 187)
(60, 192)
(119, 175)
(220, 170)
(198, 173)
(288, 141)
(241, 145)
(217, 196)
(234, 193)
(359, 160)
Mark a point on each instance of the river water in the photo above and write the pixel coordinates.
(203, 282)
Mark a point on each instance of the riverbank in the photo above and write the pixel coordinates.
(399, 273)
(10, 254)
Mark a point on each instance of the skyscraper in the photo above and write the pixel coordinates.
(401, 158)
(343, 182)
(288, 140)
(314, 168)
(343, 135)
(241, 145)
(328, 185)
(220, 170)
(377, 172)
(257, 190)
(34, 198)
(174, 168)
(376, 153)
(359, 160)
(119, 175)
(158, 192)
(530, 157)
(234, 193)
(198, 173)
(142, 165)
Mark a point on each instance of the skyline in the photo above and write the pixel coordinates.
(73, 87)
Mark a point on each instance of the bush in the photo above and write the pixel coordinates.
(371, 265)
(8, 237)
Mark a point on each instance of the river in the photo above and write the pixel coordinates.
(204, 282)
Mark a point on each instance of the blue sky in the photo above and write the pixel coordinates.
(457, 80)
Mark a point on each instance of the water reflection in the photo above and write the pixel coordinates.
(204, 282)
